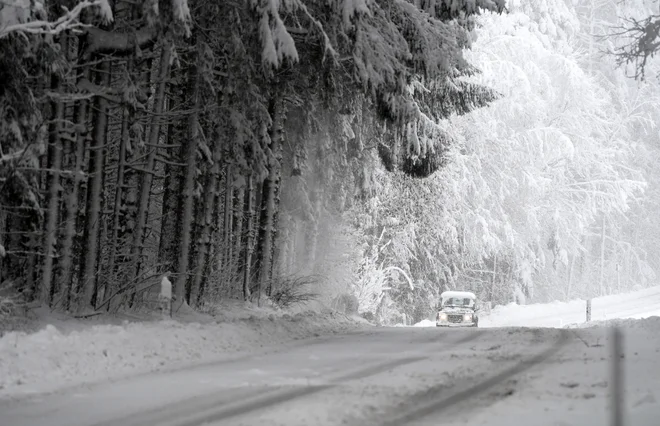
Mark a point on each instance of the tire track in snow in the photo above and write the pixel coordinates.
(434, 400)
(262, 403)
(232, 402)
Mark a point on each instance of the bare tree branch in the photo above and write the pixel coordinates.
(642, 42)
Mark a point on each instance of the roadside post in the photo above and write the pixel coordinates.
(165, 295)
(588, 310)
(616, 378)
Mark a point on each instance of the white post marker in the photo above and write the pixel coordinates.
(588, 310)
(165, 296)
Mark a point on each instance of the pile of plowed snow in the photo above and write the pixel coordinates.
(425, 323)
(55, 357)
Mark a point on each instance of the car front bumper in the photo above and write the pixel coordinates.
(455, 324)
(456, 320)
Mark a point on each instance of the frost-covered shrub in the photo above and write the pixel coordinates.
(7, 307)
(346, 303)
(12, 309)
(369, 316)
(293, 290)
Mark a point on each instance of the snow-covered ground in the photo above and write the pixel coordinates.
(639, 304)
(216, 372)
(634, 305)
(574, 387)
(382, 377)
(65, 352)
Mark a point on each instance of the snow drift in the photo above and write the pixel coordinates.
(56, 357)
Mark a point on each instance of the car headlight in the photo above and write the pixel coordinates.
(467, 317)
(442, 316)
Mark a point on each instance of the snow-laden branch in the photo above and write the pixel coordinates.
(13, 156)
(396, 268)
(69, 20)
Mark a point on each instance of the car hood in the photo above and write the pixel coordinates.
(457, 311)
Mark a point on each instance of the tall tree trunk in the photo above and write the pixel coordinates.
(601, 278)
(78, 152)
(3, 242)
(51, 229)
(94, 189)
(238, 215)
(154, 136)
(492, 281)
(247, 253)
(268, 199)
(189, 182)
(229, 199)
(217, 261)
(117, 208)
(571, 273)
(274, 227)
(228, 219)
(205, 229)
(292, 253)
(171, 205)
(313, 231)
(31, 268)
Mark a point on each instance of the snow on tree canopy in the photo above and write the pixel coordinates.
(406, 56)
(406, 60)
(277, 43)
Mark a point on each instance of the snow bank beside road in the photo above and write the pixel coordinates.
(51, 358)
(635, 305)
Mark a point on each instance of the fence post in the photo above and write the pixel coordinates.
(616, 378)
(165, 296)
(588, 310)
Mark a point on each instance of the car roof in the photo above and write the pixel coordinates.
(458, 294)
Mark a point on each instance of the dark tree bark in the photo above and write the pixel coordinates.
(249, 237)
(147, 175)
(170, 231)
(270, 185)
(205, 229)
(238, 216)
(189, 184)
(227, 226)
(77, 151)
(127, 120)
(51, 229)
(88, 276)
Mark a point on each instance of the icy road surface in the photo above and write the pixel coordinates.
(383, 376)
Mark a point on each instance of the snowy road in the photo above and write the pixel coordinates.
(384, 376)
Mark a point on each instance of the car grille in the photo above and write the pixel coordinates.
(455, 318)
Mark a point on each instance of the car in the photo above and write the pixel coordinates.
(457, 309)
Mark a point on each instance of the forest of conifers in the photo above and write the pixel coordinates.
(249, 147)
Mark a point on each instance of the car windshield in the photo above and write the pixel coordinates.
(458, 302)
